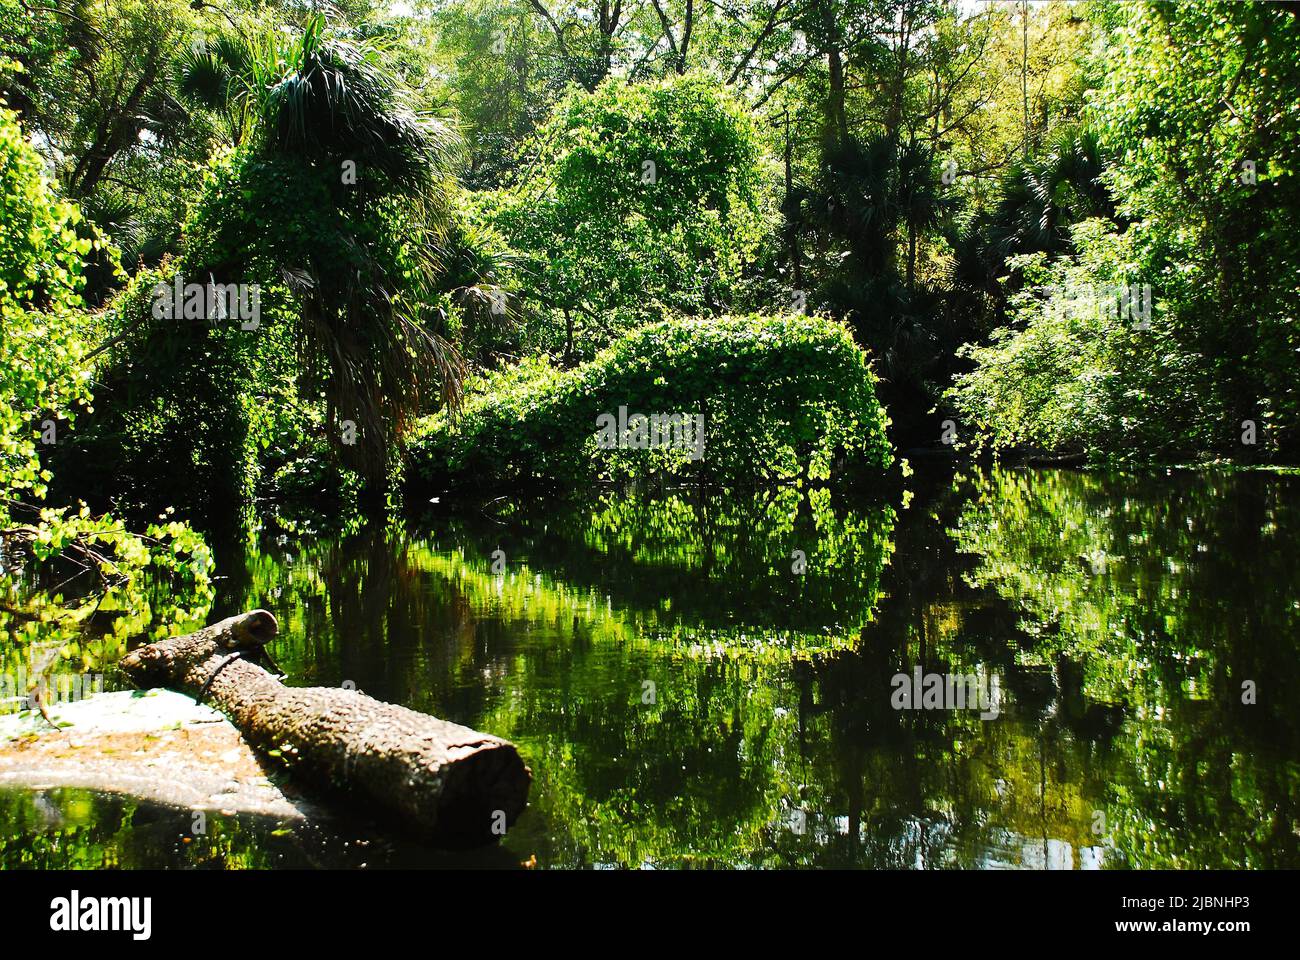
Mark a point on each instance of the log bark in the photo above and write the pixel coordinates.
(439, 780)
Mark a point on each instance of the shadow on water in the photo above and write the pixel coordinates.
(710, 682)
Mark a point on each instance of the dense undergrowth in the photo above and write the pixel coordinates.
(782, 398)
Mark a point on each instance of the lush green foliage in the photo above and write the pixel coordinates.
(923, 145)
(635, 200)
(1073, 374)
(44, 386)
(529, 188)
(1198, 114)
(353, 291)
(41, 259)
(175, 421)
(781, 397)
(95, 91)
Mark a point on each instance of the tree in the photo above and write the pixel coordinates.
(1190, 125)
(96, 95)
(500, 70)
(1203, 123)
(637, 199)
(336, 206)
(42, 382)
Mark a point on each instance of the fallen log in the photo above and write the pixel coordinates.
(439, 780)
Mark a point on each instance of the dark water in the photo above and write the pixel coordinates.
(684, 698)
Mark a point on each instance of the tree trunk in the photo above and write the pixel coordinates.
(911, 257)
(1024, 67)
(791, 210)
(837, 127)
(119, 130)
(687, 28)
(439, 780)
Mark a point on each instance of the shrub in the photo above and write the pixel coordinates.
(175, 423)
(781, 397)
(1212, 237)
(1071, 373)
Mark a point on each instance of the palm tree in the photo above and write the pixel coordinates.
(871, 195)
(220, 77)
(318, 105)
(1042, 197)
(921, 202)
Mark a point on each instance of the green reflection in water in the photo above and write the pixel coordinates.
(57, 828)
(1156, 601)
(66, 829)
(1119, 615)
(652, 688)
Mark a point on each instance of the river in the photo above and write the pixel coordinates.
(705, 682)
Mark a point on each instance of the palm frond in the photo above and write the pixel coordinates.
(202, 78)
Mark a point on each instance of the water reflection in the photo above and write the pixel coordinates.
(686, 698)
(56, 828)
(1155, 608)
